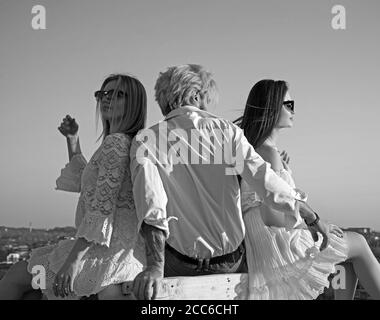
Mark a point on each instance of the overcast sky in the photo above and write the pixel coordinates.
(333, 77)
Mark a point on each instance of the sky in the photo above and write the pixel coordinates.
(333, 77)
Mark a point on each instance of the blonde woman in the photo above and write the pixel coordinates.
(106, 250)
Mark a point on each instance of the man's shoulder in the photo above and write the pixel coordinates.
(218, 120)
(154, 129)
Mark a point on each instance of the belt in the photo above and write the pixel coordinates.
(229, 257)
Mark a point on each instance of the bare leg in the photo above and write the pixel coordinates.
(366, 266)
(351, 282)
(16, 282)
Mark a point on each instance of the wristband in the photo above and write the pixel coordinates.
(315, 222)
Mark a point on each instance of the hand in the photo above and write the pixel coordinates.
(69, 127)
(145, 285)
(336, 230)
(325, 229)
(64, 280)
(285, 159)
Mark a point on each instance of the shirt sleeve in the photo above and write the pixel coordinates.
(273, 190)
(71, 174)
(148, 190)
(113, 161)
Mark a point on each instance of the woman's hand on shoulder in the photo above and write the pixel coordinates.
(69, 127)
(285, 159)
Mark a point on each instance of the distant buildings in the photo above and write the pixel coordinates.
(365, 231)
(13, 258)
(16, 244)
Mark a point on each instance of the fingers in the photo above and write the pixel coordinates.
(144, 288)
(71, 286)
(155, 289)
(68, 126)
(63, 285)
(60, 286)
(66, 286)
(55, 286)
(68, 120)
(337, 231)
(61, 130)
(148, 290)
(138, 288)
(285, 157)
(337, 228)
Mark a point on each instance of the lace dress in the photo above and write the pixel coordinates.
(105, 216)
(284, 264)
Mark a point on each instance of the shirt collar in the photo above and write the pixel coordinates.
(184, 109)
(180, 111)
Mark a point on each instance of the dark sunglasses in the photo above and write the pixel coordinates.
(108, 94)
(289, 104)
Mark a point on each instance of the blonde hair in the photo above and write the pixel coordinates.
(181, 85)
(135, 107)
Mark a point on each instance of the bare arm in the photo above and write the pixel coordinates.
(150, 201)
(64, 280)
(312, 220)
(73, 146)
(145, 285)
(69, 128)
(155, 246)
(306, 212)
(275, 192)
(274, 158)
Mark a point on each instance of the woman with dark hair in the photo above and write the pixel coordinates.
(293, 263)
(107, 249)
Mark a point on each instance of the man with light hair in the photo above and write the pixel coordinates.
(186, 170)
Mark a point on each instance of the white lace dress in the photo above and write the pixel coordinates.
(284, 264)
(105, 216)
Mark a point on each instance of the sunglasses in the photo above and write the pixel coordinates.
(108, 94)
(289, 104)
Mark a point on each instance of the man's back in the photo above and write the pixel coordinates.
(192, 151)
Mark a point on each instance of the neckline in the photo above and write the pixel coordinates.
(268, 142)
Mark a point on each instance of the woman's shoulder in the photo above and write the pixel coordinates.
(117, 138)
(271, 155)
(119, 141)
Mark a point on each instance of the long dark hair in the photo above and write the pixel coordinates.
(262, 110)
(135, 108)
